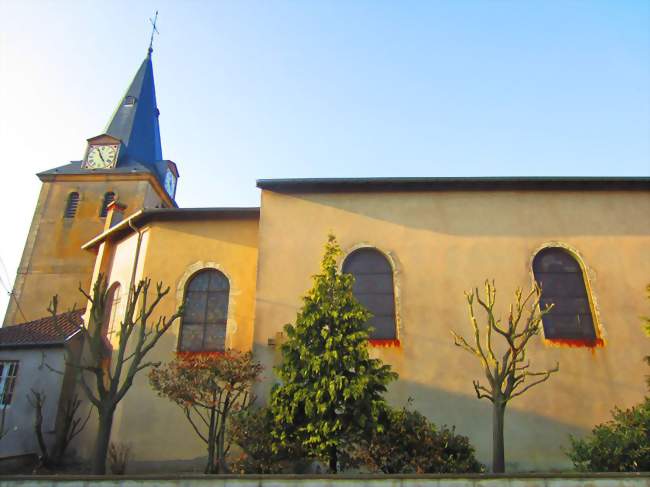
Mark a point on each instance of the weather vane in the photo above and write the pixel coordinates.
(153, 31)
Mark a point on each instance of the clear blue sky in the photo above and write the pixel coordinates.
(270, 89)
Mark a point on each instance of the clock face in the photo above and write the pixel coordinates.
(101, 156)
(170, 183)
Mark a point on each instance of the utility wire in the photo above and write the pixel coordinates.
(10, 293)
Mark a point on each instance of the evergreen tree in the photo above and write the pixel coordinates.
(331, 390)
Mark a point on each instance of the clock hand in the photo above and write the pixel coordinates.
(99, 151)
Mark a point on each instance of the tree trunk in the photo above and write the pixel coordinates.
(221, 447)
(102, 440)
(498, 454)
(44, 460)
(211, 466)
(333, 460)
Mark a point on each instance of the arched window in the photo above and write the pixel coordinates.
(560, 276)
(112, 318)
(373, 287)
(205, 312)
(71, 205)
(108, 199)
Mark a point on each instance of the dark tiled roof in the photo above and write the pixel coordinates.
(48, 331)
(327, 185)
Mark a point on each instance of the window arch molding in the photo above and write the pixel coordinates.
(181, 287)
(396, 268)
(588, 276)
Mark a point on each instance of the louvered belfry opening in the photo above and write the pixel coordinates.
(205, 313)
(560, 276)
(71, 205)
(108, 199)
(373, 288)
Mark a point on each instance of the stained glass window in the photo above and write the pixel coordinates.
(373, 287)
(205, 312)
(560, 276)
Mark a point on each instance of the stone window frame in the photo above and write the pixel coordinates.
(588, 276)
(181, 286)
(396, 268)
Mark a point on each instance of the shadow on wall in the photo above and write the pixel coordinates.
(491, 213)
(533, 442)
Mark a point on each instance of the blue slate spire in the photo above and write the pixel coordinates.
(135, 121)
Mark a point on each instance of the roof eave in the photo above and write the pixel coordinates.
(145, 216)
(455, 184)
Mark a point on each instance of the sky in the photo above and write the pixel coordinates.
(279, 89)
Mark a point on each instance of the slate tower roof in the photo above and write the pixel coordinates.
(135, 123)
(135, 120)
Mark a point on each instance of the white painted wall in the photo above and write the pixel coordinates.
(32, 374)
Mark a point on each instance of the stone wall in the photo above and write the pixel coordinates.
(565, 480)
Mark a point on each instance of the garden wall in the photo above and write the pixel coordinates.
(566, 480)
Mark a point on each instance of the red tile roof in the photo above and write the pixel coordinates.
(51, 330)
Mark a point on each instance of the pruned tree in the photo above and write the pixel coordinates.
(71, 426)
(106, 376)
(508, 376)
(332, 391)
(209, 387)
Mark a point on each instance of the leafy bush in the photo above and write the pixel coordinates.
(410, 443)
(252, 430)
(620, 445)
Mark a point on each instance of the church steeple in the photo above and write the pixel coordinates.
(135, 120)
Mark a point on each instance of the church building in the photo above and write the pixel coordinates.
(414, 246)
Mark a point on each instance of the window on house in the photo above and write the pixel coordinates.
(560, 276)
(8, 372)
(205, 312)
(108, 199)
(71, 205)
(373, 287)
(129, 101)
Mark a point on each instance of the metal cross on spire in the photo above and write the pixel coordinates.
(154, 30)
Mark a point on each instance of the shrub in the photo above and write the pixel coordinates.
(620, 445)
(118, 457)
(410, 443)
(209, 387)
(252, 431)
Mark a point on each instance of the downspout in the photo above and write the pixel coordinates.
(137, 254)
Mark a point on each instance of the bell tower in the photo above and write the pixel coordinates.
(123, 163)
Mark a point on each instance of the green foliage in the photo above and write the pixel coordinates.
(252, 431)
(331, 390)
(409, 443)
(620, 445)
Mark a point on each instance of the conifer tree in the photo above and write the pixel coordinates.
(331, 390)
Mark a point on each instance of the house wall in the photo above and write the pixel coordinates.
(171, 253)
(33, 373)
(444, 243)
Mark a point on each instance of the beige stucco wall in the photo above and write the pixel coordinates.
(171, 252)
(52, 262)
(443, 243)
